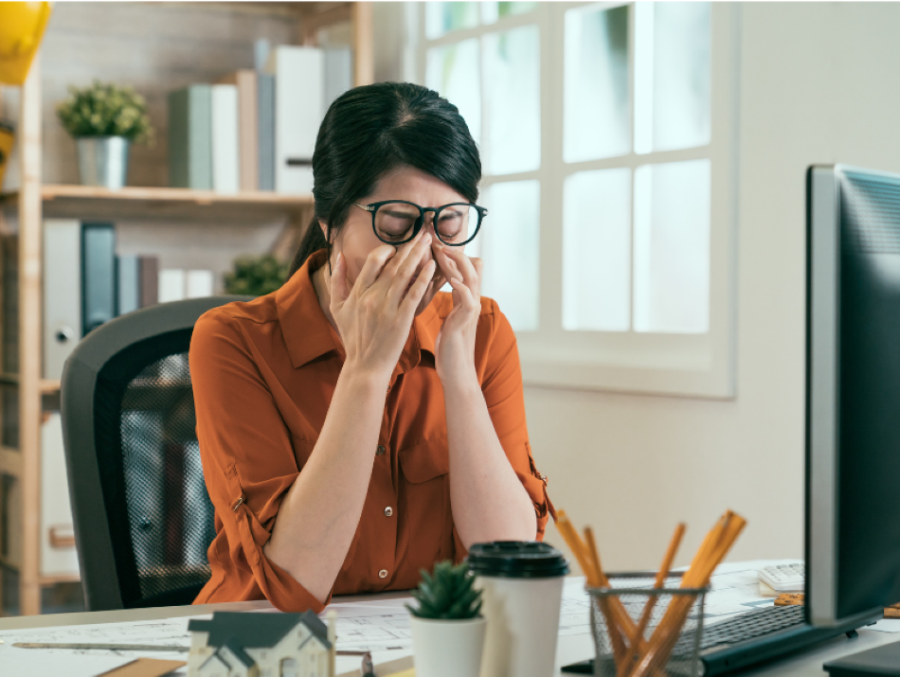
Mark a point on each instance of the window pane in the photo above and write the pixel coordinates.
(597, 251)
(491, 11)
(672, 75)
(453, 72)
(512, 79)
(510, 246)
(597, 113)
(443, 17)
(671, 247)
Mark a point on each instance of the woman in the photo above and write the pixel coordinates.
(357, 425)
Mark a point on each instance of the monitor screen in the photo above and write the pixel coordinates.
(853, 395)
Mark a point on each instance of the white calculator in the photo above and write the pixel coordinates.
(783, 577)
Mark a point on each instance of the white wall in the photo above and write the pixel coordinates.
(818, 85)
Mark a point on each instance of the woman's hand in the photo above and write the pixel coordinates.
(374, 316)
(455, 345)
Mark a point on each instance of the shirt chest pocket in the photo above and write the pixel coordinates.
(425, 461)
(424, 501)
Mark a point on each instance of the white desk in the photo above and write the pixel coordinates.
(572, 648)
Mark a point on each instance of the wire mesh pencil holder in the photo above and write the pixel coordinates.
(670, 620)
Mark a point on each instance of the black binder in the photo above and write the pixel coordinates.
(98, 274)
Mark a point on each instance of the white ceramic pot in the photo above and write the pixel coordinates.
(447, 648)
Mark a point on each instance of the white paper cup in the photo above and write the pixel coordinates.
(522, 584)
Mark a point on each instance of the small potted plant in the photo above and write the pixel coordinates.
(104, 120)
(256, 275)
(447, 626)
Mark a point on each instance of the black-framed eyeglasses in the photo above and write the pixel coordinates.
(398, 221)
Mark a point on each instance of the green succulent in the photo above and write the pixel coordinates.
(105, 110)
(447, 594)
(256, 275)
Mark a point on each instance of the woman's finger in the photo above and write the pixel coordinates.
(471, 276)
(403, 276)
(375, 263)
(447, 265)
(403, 252)
(466, 296)
(419, 287)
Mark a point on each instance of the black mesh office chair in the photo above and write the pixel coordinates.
(143, 519)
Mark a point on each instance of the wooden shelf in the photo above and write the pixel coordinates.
(163, 204)
(49, 386)
(10, 462)
(45, 385)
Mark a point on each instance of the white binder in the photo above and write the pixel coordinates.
(62, 293)
(299, 104)
(225, 147)
(58, 553)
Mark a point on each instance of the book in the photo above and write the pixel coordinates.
(245, 81)
(338, 74)
(62, 293)
(171, 285)
(10, 516)
(265, 92)
(98, 275)
(9, 297)
(299, 92)
(190, 138)
(149, 271)
(199, 284)
(225, 150)
(129, 274)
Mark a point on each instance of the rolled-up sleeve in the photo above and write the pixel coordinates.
(503, 392)
(248, 463)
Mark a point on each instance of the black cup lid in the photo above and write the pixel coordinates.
(517, 559)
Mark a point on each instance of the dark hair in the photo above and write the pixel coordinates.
(370, 130)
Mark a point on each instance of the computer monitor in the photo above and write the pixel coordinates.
(853, 395)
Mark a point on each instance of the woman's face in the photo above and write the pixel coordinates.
(357, 238)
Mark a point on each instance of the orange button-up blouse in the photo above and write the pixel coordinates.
(263, 375)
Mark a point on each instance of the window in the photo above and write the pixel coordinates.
(607, 140)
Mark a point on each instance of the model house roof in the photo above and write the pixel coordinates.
(249, 630)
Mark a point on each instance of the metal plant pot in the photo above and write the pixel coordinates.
(103, 161)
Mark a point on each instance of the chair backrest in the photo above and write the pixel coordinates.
(143, 519)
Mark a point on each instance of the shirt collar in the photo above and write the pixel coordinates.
(308, 334)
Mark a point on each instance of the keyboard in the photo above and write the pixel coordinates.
(752, 637)
(783, 577)
(750, 625)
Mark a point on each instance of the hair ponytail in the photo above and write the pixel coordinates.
(312, 241)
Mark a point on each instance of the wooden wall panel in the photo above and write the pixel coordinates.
(155, 48)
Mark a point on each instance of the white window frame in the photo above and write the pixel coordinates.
(694, 365)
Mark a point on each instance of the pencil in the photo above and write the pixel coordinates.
(669, 557)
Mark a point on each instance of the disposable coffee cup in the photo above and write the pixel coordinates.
(522, 584)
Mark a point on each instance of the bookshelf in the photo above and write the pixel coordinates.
(23, 211)
(176, 204)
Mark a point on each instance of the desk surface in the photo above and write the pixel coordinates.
(571, 648)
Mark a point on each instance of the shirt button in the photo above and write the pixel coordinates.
(388, 511)
(382, 573)
(379, 450)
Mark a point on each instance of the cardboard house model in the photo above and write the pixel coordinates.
(251, 644)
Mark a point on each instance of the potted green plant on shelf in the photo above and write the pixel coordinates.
(104, 119)
(256, 275)
(447, 626)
